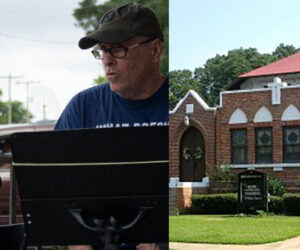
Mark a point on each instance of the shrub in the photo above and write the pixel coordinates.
(261, 213)
(214, 203)
(291, 204)
(226, 204)
(276, 186)
(275, 204)
(223, 177)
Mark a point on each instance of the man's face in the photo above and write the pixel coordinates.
(127, 75)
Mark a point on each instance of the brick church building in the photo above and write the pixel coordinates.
(255, 126)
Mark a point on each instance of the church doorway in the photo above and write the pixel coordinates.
(192, 156)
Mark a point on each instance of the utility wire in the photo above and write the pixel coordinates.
(46, 10)
(24, 11)
(36, 40)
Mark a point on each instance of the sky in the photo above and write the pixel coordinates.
(201, 29)
(56, 65)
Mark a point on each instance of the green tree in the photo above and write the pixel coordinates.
(283, 51)
(181, 81)
(276, 186)
(222, 70)
(215, 75)
(89, 13)
(18, 112)
(99, 80)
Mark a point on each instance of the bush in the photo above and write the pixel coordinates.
(214, 203)
(223, 177)
(226, 204)
(275, 204)
(276, 187)
(291, 204)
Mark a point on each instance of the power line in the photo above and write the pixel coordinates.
(35, 10)
(46, 10)
(36, 40)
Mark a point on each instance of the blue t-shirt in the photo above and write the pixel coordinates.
(100, 107)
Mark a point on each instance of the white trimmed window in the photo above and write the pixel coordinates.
(263, 145)
(239, 146)
(291, 144)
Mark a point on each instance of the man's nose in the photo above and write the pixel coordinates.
(108, 58)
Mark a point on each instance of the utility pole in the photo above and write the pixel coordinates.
(44, 108)
(9, 77)
(27, 96)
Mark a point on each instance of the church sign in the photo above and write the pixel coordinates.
(252, 191)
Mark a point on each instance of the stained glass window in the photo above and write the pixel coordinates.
(239, 146)
(263, 145)
(291, 144)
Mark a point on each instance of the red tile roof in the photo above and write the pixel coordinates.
(289, 64)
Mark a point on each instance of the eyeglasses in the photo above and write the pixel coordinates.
(118, 52)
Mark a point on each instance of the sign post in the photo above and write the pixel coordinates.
(252, 192)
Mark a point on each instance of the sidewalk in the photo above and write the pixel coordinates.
(291, 244)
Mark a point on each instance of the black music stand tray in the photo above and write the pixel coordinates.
(93, 186)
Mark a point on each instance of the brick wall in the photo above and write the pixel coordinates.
(250, 103)
(203, 121)
(215, 128)
(183, 196)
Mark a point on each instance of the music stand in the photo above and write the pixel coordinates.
(91, 185)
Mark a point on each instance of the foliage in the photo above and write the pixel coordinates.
(283, 51)
(89, 13)
(230, 229)
(100, 80)
(291, 204)
(223, 177)
(220, 71)
(214, 203)
(275, 204)
(227, 204)
(181, 81)
(18, 112)
(276, 186)
(261, 213)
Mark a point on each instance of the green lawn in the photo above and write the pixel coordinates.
(229, 229)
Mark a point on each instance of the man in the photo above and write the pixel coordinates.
(130, 44)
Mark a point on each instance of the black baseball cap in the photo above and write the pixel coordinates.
(123, 23)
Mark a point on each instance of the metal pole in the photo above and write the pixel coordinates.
(27, 102)
(44, 108)
(12, 196)
(9, 98)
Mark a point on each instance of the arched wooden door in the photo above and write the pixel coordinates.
(192, 156)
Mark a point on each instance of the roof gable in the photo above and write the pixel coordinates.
(198, 98)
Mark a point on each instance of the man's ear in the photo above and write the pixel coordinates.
(157, 49)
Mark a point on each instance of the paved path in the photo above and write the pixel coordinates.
(291, 244)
